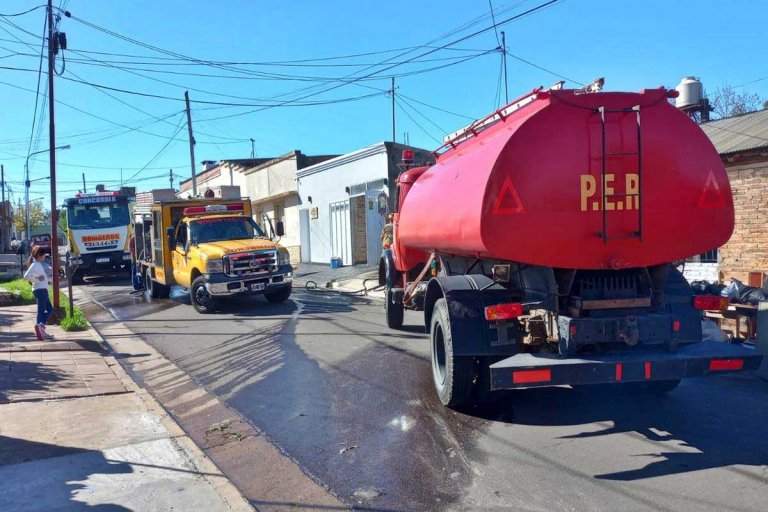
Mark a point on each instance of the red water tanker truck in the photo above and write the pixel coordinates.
(540, 245)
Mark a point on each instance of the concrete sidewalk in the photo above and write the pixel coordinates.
(76, 432)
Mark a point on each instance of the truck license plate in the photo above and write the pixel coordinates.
(102, 260)
(257, 287)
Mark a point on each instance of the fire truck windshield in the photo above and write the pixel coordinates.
(94, 216)
(218, 229)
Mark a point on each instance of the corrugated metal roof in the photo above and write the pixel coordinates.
(738, 133)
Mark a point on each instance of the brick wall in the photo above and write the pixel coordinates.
(359, 241)
(747, 250)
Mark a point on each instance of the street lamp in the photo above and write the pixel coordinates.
(27, 183)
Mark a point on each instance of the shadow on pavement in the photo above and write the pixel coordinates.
(24, 380)
(718, 421)
(51, 487)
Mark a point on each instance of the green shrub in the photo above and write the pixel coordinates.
(22, 286)
(74, 321)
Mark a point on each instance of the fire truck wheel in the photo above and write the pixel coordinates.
(452, 375)
(279, 296)
(150, 286)
(201, 300)
(393, 306)
(163, 290)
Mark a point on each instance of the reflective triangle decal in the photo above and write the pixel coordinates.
(711, 196)
(507, 200)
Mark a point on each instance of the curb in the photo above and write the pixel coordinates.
(222, 486)
(219, 435)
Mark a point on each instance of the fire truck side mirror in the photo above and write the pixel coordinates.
(279, 228)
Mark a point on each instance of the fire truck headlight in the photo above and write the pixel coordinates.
(214, 266)
(283, 258)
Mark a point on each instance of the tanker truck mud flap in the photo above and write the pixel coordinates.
(466, 297)
(691, 360)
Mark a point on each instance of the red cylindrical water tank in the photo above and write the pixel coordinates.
(570, 180)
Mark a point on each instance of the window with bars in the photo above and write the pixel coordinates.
(709, 256)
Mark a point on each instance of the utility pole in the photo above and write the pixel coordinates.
(170, 177)
(121, 177)
(52, 48)
(191, 145)
(253, 149)
(393, 109)
(504, 62)
(84, 189)
(5, 230)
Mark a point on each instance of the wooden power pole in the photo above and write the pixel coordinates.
(52, 49)
(191, 145)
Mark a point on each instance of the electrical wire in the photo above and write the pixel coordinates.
(22, 13)
(493, 18)
(517, 57)
(37, 96)
(171, 139)
(402, 98)
(426, 132)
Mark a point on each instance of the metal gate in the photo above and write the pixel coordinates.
(306, 255)
(341, 236)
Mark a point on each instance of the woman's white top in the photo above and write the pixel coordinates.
(33, 273)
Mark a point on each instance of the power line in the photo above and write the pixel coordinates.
(343, 80)
(416, 122)
(21, 13)
(516, 57)
(77, 109)
(404, 100)
(167, 144)
(493, 18)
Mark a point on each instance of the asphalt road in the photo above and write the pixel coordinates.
(352, 402)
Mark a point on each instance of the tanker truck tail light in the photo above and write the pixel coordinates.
(503, 311)
(710, 302)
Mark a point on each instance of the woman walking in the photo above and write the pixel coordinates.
(36, 275)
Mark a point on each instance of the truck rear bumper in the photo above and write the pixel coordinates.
(102, 263)
(692, 360)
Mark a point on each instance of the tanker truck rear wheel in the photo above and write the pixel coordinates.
(452, 375)
(393, 306)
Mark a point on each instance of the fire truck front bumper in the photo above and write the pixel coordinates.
(221, 285)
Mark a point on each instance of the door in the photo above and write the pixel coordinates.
(304, 235)
(180, 258)
(341, 246)
(359, 231)
(376, 205)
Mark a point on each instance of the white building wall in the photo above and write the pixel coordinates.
(695, 271)
(228, 176)
(325, 183)
(272, 185)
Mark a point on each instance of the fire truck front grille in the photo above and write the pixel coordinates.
(250, 263)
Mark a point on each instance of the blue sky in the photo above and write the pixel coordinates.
(634, 45)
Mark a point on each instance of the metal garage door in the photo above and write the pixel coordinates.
(341, 236)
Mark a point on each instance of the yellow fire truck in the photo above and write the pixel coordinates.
(211, 246)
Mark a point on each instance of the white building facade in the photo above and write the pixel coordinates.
(343, 203)
(274, 194)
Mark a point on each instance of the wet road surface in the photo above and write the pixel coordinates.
(352, 402)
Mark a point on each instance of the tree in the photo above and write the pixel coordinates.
(727, 102)
(63, 219)
(37, 217)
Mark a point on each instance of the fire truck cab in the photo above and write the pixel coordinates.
(211, 246)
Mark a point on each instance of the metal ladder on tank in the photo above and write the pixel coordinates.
(604, 171)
